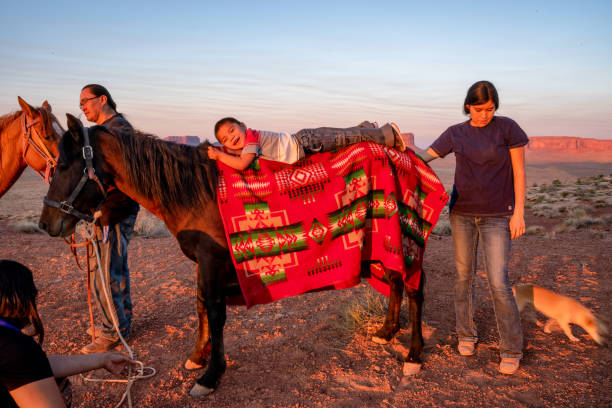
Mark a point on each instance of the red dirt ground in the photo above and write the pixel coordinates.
(298, 353)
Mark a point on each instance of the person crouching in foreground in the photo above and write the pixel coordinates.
(28, 377)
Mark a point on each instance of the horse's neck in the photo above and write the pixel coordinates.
(118, 168)
(12, 163)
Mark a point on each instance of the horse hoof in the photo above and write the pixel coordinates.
(412, 368)
(190, 365)
(200, 391)
(379, 340)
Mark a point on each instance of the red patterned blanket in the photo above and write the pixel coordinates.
(309, 226)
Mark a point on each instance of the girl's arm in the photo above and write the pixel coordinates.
(236, 162)
(517, 221)
(64, 366)
(427, 155)
(42, 393)
(45, 394)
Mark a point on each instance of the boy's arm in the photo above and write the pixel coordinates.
(236, 162)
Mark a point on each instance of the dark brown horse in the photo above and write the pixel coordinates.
(177, 183)
(27, 138)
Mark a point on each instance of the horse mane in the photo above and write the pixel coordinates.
(176, 175)
(7, 119)
(47, 121)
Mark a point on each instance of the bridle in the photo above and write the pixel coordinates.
(29, 132)
(89, 173)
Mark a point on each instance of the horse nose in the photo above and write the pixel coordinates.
(43, 226)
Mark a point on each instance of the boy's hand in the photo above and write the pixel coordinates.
(213, 153)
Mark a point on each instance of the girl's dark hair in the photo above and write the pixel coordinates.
(18, 297)
(479, 93)
(227, 120)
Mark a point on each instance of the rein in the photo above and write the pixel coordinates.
(28, 133)
(88, 174)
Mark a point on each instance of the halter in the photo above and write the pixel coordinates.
(28, 132)
(89, 173)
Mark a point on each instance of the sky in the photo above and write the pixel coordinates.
(175, 68)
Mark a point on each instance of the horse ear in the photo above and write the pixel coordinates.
(46, 106)
(74, 126)
(27, 109)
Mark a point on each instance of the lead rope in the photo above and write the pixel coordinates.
(90, 233)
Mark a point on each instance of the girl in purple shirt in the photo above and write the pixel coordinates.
(486, 207)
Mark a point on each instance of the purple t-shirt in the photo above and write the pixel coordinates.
(484, 182)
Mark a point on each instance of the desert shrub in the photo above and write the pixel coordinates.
(600, 203)
(364, 310)
(582, 222)
(544, 210)
(534, 230)
(607, 219)
(562, 228)
(556, 182)
(442, 228)
(149, 226)
(26, 226)
(577, 212)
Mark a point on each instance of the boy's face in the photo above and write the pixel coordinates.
(231, 135)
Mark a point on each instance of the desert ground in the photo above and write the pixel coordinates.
(315, 350)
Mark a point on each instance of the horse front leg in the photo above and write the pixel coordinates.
(391, 325)
(413, 363)
(216, 313)
(201, 351)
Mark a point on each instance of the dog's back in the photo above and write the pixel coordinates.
(559, 308)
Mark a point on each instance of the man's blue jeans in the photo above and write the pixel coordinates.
(493, 233)
(114, 257)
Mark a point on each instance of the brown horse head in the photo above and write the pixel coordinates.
(43, 130)
(75, 197)
(27, 137)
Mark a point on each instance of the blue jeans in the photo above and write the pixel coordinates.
(494, 235)
(114, 257)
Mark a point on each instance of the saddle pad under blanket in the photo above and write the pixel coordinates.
(313, 225)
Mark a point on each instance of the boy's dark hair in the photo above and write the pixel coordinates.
(479, 93)
(223, 121)
(18, 297)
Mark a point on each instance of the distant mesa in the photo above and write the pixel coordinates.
(409, 140)
(568, 144)
(188, 140)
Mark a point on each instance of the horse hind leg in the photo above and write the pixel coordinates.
(391, 325)
(413, 362)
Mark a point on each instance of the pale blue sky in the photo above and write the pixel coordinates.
(176, 69)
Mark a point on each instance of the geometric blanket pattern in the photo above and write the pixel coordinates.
(328, 220)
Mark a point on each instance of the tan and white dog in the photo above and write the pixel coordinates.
(561, 309)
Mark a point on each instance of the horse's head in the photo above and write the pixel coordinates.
(41, 131)
(75, 191)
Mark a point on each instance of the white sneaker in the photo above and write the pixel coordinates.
(509, 365)
(466, 348)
